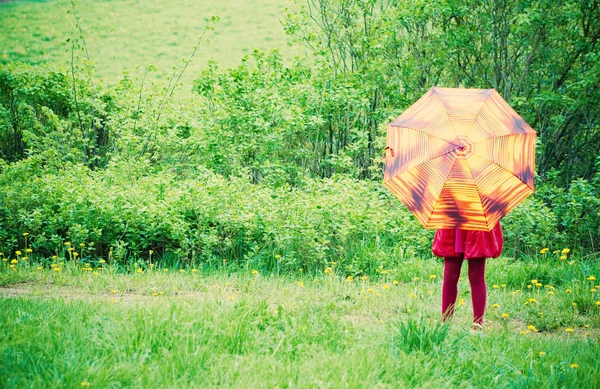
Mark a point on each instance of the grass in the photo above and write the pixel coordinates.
(121, 34)
(227, 327)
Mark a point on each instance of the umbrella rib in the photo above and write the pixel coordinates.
(425, 132)
(478, 112)
(503, 168)
(506, 135)
(446, 112)
(479, 194)
(438, 197)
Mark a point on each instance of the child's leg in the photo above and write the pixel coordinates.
(450, 285)
(478, 288)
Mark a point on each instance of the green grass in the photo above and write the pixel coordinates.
(229, 328)
(124, 33)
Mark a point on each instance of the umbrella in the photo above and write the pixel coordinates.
(460, 158)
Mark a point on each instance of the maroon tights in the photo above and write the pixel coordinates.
(450, 286)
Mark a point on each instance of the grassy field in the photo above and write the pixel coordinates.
(152, 327)
(124, 33)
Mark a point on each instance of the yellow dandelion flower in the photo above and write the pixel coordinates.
(67, 243)
(113, 291)
(566, 250)
(75, 253)
(101, 261)
(18, 253)
(56, 268)
(255, 272)
(416, 279)
(150, 252)
(461, 302)
(386, 287)
(574, 366)
(539, 284)
(364, 278)
(591, 278)
(412, 295)
(534, 281)
(5, 259)
(85, 384)
(14, 261)
(155, 294)
(544, 250)
(550, 293)
(165, 270)
(532, 328)
(571, 263)
(496, 306)
(574, 304)
(529, 286)
(542, 353)
(139, 270)
(505, 315)
(598, 303)
(316, 280)
(39, 268)
(151, 266)
(300, 284)
(194, 270)
(396, 282)
(277, 256)
(432, 277)
(25, 233)
(568, 291)
(563, 257)
(349, 279)
(371, 290)
(81, 244)
(29, 251)
(569, 330)
(181, 271)
(532, 300)
(495, 286)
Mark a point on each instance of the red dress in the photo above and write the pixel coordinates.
(478, 244)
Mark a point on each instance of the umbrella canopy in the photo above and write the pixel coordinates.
(460, 158)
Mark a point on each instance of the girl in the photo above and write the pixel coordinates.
(455, 246)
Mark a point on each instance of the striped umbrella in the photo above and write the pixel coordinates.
(460, 158)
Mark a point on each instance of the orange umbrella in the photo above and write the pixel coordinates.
(460, 158)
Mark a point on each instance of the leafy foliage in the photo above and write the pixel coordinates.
(277, 166)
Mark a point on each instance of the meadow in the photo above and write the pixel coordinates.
(123, 34)
(76, 324)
